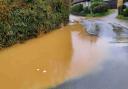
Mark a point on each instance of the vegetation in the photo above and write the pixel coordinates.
(97, 8)
(77, 9)
(95, 1)
(123, 12)
(122, 17)
(24, 19)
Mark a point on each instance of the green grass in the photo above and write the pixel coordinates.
(100, 14)
(122, 17)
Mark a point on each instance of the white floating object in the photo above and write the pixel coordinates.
(44, 71)
(38, 69)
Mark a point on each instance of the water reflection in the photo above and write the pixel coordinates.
(49, 60)
(111, 71)
(60, 55)
(87, 54)
(39, 63)
(112, 74)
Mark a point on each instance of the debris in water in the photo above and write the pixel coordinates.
(38, 69)
(44, 71)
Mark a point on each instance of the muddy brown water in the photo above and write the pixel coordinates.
(51, 59)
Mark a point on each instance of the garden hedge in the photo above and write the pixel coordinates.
(96, 8)
(21, 20)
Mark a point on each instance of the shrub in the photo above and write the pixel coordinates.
(86, 10)
(76, 9)
(95, 4)
(125, 12)
(96, 8)
(97, 1)
(99, 7)
(120, 9)
(24, 19)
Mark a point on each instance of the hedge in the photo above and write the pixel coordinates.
(100, 8)
(21, 20)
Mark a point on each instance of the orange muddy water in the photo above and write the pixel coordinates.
(51, 59)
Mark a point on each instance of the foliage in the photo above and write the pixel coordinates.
(24, 19)
(77, 9)
(125, 12)
(94, 1)
(97, 7)
(86, 10)
(122, 17)
(120, 9)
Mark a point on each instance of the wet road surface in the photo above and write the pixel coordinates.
(51, 59)
(68, 54)
(112, 73)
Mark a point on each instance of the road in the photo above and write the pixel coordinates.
(112, 73)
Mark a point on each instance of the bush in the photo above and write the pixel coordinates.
(99, 7)
(76, 9)
(24, 19)
(95, 4)
(120, 9)
(80, 10)
(125, 12)
(122, 17)
(96, 8)
(97, 1)
(86, 10)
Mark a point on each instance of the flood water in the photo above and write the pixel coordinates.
(67, 53)
(51, 59)
(111, 72)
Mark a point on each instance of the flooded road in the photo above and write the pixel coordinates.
(112, 72)
(68, 55)
(51, 59)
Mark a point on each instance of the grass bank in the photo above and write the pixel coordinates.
(122, 17)
(100, 14)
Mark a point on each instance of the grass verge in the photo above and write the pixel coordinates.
(100, 14)
(122, 17)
